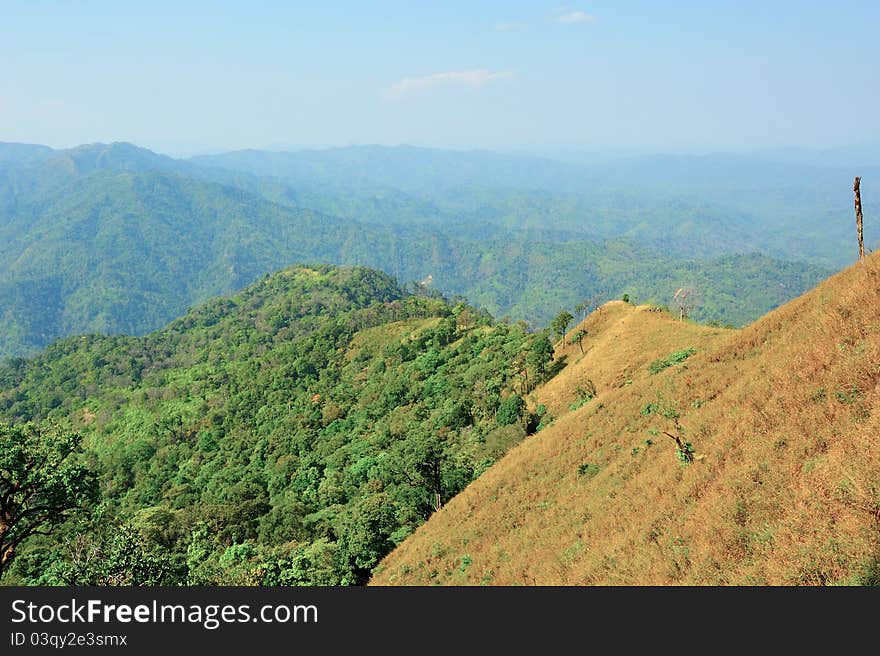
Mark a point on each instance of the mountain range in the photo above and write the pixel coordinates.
(116, 239)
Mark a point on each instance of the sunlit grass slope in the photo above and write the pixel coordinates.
(784, 488)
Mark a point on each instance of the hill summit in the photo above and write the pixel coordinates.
(683, 454)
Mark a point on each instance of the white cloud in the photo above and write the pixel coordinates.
(576, 17)
(475, 79)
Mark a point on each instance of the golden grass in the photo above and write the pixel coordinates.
(784, 417)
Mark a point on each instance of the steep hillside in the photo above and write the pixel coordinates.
(780, 422)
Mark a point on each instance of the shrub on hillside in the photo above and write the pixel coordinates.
(510, 411)
(676, 357)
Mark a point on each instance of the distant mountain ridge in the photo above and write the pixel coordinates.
(407, 168)
(115, 238)
(788, 205)
(17, 154)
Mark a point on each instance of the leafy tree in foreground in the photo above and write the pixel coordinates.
(537, 359)
(510, 411)
(41, 483)
(685, 450)
(560, 323)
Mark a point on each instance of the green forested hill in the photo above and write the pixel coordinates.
(524, 279)
(126, 252)
(292, 433)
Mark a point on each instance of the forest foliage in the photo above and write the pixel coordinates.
(291, 434)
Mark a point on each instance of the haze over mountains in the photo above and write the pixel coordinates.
(118, 239)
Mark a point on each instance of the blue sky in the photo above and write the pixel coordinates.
(673, 76)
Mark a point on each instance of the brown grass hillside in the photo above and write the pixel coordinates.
(784, 419)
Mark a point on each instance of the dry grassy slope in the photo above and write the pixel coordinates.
(621, 341)
(784, 416)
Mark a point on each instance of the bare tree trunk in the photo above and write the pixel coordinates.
(437, 486)
(858, 203)
(8, 551)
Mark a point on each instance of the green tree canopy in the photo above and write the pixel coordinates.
(561, 322)
(510, 411)
(41, 483)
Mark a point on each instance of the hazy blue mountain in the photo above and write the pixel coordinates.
(18, 154)
(786, 205)
(111, 238)
(405, 168)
